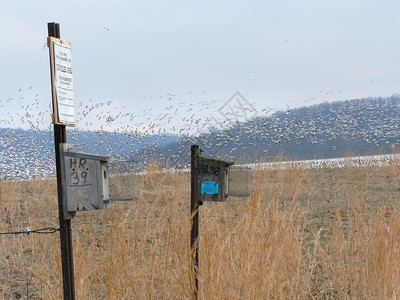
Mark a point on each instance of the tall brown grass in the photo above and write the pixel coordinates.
(301, 234)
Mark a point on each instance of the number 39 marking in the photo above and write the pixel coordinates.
(76, 179)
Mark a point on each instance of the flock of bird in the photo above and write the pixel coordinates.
(230, 126)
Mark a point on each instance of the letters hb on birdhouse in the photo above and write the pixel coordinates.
(213, 179)
(85, 180)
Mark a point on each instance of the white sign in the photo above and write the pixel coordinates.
(64, 82)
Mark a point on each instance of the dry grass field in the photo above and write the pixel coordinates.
(301, 234)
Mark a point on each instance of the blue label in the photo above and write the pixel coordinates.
(209, 187)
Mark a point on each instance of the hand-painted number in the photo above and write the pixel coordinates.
(76, 179)
(206, 169)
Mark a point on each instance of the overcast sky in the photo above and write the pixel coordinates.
(154, 54)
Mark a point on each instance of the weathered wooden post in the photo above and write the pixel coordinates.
(194, 214)
(60, 136)
(209, 182)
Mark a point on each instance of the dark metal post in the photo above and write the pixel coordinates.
(60, 136)
(194, 212)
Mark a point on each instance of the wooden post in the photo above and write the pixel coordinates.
(194, 212)
(60, 136)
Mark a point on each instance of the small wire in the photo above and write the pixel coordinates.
(49, 230)
(46, 230)
(273, 219)
(57, 226)
(253, 218)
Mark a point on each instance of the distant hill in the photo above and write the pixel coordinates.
(327, 130)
